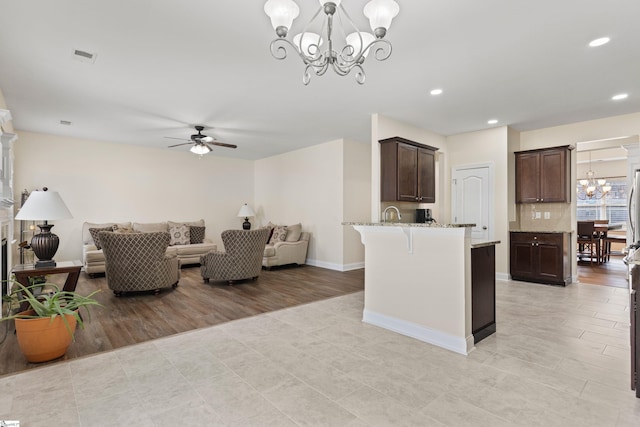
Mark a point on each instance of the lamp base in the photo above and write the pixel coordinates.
(47, 263)
(246, 225)
(44, 246)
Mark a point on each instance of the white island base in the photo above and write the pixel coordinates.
(418, 281)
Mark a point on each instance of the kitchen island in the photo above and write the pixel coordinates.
(418, 281)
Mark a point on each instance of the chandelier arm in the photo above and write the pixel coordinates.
(279, 51)
(340, 70)
(383, 49)
(360, 74)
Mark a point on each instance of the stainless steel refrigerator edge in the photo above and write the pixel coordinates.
(632, 260)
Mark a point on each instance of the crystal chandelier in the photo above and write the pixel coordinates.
(309, 44)
(593, 187)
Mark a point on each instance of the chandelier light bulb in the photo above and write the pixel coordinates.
(282, 14)
(380, 14)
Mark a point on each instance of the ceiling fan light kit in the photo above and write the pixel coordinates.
(201, 143)
(356, 44)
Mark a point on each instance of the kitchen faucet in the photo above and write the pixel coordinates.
(384, 213)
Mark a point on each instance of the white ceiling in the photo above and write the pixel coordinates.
(163, 66)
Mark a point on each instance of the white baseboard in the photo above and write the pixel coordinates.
(431, 336)
(503, 276)
(333, 266)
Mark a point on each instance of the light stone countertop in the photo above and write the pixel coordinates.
(538, 231)
(475, 243)
(407, 224)
(478, 243)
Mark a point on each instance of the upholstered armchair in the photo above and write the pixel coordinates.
(139, 262)
(242, 258)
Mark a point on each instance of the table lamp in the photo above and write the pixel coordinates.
(246, 212)
(46, 206)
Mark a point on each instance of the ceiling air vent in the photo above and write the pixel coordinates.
(65, 122)
(84, 56)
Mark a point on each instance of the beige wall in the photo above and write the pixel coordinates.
(318, 186)
(112, 182)
(356, 199)
(487, 147)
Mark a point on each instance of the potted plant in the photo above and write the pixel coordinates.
(47, 328)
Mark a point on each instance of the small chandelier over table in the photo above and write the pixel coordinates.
(318, 50)
(592, 187)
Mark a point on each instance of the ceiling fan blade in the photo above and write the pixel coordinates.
(171, 137)
(178, 145)
(222, 144)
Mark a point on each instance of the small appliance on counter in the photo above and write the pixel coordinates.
(424, 216)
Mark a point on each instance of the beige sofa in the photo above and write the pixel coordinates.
(290, 251)
(93, 258)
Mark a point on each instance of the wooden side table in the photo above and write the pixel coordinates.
(72, 268)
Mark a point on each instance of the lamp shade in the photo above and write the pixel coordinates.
(43, 205)
(281, 12)
(246, 211)
(381, 13)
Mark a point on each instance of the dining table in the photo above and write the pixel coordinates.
(602, 230)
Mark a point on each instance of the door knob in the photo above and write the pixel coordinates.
(484, 227)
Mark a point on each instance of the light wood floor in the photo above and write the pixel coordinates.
(133, 319)
(611, 273)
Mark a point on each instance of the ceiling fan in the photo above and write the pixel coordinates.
(201, 143)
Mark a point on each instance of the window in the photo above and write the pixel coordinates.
(613, 206)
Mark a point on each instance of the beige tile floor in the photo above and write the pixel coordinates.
(560, 358)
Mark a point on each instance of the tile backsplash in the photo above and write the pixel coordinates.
(543, 217)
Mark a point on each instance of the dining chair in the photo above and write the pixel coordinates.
(601, 233)
(588, 243)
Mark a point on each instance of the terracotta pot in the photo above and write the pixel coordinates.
(41, 339)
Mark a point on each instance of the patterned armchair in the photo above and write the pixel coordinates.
(139, 262)
(242, 258)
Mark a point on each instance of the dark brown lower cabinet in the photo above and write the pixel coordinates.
(483, 292)
(540, 257)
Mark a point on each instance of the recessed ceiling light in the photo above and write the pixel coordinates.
(599, 42)
(620, 96)
(436, 92)
(492, 121)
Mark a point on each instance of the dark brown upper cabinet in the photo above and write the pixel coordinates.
(407, 171)
(543, 176)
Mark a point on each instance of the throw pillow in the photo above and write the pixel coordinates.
(179, 235)
(196, 234)
(279, 234)
(198, 223)
(270, 228)
(293, 232)
(94, 235)
(122, 230)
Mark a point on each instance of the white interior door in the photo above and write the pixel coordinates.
(472, 201)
